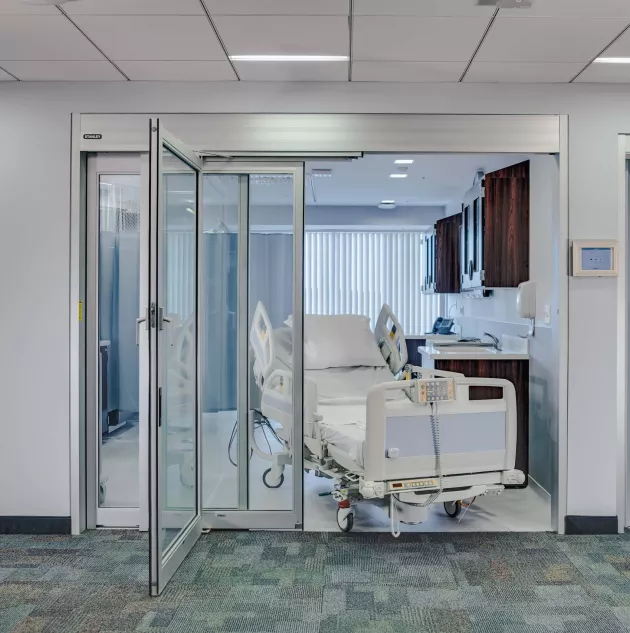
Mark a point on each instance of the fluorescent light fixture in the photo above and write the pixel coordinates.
(289, 58)
(388, 201)
(190, 210)
(404, 161)
(612, 60)
(398, 175)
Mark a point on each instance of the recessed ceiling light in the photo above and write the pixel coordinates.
(612, 60)
(387, 204)
(289, 58)
(404, 161)
(398, 175)
(388, 201)
(321, 173)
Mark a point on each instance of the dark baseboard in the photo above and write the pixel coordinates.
(34, 525)
(590, 525)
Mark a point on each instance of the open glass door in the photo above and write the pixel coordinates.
(175, 442)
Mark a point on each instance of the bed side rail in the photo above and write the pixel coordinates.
(390, 338)
(262, 343)
(379, 409)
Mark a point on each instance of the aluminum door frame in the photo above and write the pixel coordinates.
(265, 519)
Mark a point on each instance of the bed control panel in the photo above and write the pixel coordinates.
(406, 485)
(435, 390)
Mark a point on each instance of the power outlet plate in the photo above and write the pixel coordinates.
(548, 315)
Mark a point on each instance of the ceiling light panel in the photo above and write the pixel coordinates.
(152, 37)
(398, 175)
(134, 7)
(49, 37)
(612, 60)
(404, 161)
(548, 39)
(407, 39)
(284, 35)
(526, 72)
(277, 7)
(289, 58)
(63, 70)
(424, 8)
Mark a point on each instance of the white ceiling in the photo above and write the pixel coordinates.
(387, 40)
(432, 179)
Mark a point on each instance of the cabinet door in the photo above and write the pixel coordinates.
(447, 250)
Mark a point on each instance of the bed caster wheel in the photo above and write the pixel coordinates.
(453, 508)
(102, 493)
(278, 482)
(345, 519)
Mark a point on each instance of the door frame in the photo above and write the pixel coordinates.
(267, 519)
(320, 135)
(103, 164)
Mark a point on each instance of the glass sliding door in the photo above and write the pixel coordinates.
(175, 442)
(253, 217)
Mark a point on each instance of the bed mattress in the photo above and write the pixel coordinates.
(343, 427)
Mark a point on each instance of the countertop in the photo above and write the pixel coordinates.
(441, 338)
(511, 350)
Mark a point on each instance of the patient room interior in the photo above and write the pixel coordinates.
(443, 241)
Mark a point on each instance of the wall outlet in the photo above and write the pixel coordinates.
(548, 315)
(461, 311)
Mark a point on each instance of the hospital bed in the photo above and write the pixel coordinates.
(399, 436)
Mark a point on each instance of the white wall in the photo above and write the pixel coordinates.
(34, 230)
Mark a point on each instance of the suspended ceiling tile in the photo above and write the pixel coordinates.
(284, 35)
(278, 7)
(4, 76)
(177, 70)
(49, 37)
(522, 72)
(152, 37)
(604, 73)
(620, 48)
(572, 8)
(63, 70)
(292, 71)
(548, 39)
(17, 7)
(416, 39)
(133, 7)
(408, 71)
(426, 8)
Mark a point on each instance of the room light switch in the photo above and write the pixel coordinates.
(548, 315)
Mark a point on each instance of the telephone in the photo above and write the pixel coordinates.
(442, 326)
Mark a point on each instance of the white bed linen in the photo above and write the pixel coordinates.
(344, 427)
(349, 385)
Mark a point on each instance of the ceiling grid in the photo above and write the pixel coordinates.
(557, 41)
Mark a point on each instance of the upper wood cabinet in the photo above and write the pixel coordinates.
(494, 246)
(447, 264)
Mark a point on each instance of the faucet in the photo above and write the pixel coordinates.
(495, 340)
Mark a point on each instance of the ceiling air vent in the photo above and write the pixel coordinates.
(506, 4)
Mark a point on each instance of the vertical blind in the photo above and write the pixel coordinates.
(356, 272)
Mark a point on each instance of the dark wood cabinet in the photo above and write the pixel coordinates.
(494, 251)
(517, 372)
(447, 265)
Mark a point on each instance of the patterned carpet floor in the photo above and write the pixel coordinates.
(287, 582)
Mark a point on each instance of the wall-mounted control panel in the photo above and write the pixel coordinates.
(594, 258)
